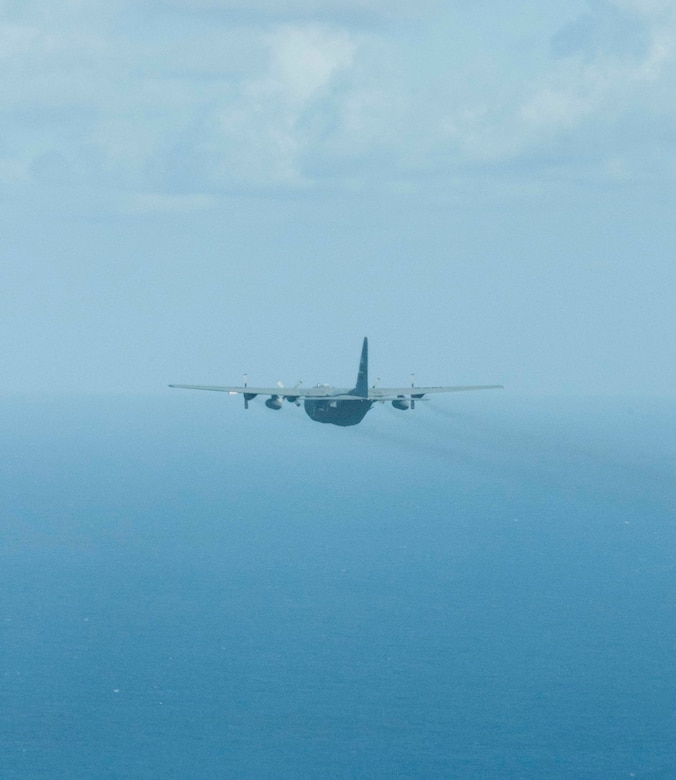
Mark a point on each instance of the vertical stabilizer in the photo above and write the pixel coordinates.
(362, 387)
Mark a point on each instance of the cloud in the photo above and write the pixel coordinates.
(603, 30)
(262, 133)
(189, 105)
(610, 73)
(148, 203)
(354, 11)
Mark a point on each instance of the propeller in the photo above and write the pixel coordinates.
(290, 398)
(412, 386)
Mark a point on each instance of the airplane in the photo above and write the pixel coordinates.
(338, 406)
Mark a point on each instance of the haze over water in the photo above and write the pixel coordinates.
(481, 588)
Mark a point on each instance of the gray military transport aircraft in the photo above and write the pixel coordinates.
(338, 406)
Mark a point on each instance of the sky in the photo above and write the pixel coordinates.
(191, 189)
(194, 189)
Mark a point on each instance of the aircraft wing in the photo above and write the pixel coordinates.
(337, 394)
(392, 393)
(282, 392)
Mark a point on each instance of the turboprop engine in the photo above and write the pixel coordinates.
(274, 402)
(401, 403)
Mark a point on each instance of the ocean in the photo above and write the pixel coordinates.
(482, 588)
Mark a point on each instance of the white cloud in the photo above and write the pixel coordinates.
(148, 203)
(261, 131)
(612, 73)
(317, 10)
(645, 7)
(90, 97)
(303, 61)
(660, 55)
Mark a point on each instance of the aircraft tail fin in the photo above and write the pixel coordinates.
(362, 387)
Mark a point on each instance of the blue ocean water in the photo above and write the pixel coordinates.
(481, 589)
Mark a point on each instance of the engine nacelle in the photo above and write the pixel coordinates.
(401, 403)
(274, 402)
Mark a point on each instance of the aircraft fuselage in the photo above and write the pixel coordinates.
(342, 413)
